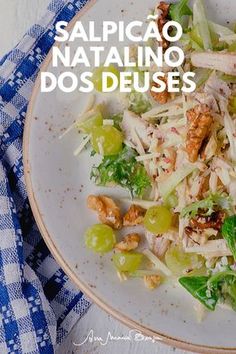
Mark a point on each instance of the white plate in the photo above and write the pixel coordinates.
(58, 184)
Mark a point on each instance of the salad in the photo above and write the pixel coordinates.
(176, 156)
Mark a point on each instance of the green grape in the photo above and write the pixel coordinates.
(87, 125)
(181, 263)
(100, 238)
(158, 219)
(127, 262)
(106, 140)
(97, 76)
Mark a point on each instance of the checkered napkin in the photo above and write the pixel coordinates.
(38, 303)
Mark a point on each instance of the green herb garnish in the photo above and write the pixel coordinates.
(122, 170)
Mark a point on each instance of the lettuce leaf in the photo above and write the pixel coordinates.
(208, 205)
(179, 10)
(224, 283)
(200, 21)
(209, 290)
(197, 287)
(229, 233)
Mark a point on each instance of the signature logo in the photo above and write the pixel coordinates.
(133, 335)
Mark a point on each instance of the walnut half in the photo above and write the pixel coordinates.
(214, 221)
(134, 215)
(129, 243)
(163, 9)
(108, 211)
(160, 97)
(199, 124)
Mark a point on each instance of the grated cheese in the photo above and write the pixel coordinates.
(139, 145)
(163, 108)
(71, 127)
(172, 140)
(108, 122)
(148, 156)
(177, 123)
(100, 148)
(230, 129)
(129, 143)
(223, 176)
(88, 108)
(82, 145)
(121, 275)
(213, 182)
(156, 261)
(213, 248)
(141, 202)
(180, 69)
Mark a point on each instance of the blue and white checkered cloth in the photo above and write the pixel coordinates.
(38, 303)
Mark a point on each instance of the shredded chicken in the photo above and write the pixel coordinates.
(216, 87)
(222, 61)
(210, 148)
(208, 99)
(203, 186)
(132, 122)
(152, 281)
(199, 124)
(169, 159)
(195, 237)
(108, 211)
(161, 245)
(129, 243)
(134, 215)
(158, 244)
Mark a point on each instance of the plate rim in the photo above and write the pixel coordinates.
(161, 337)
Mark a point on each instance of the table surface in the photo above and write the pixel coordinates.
(15, 17)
